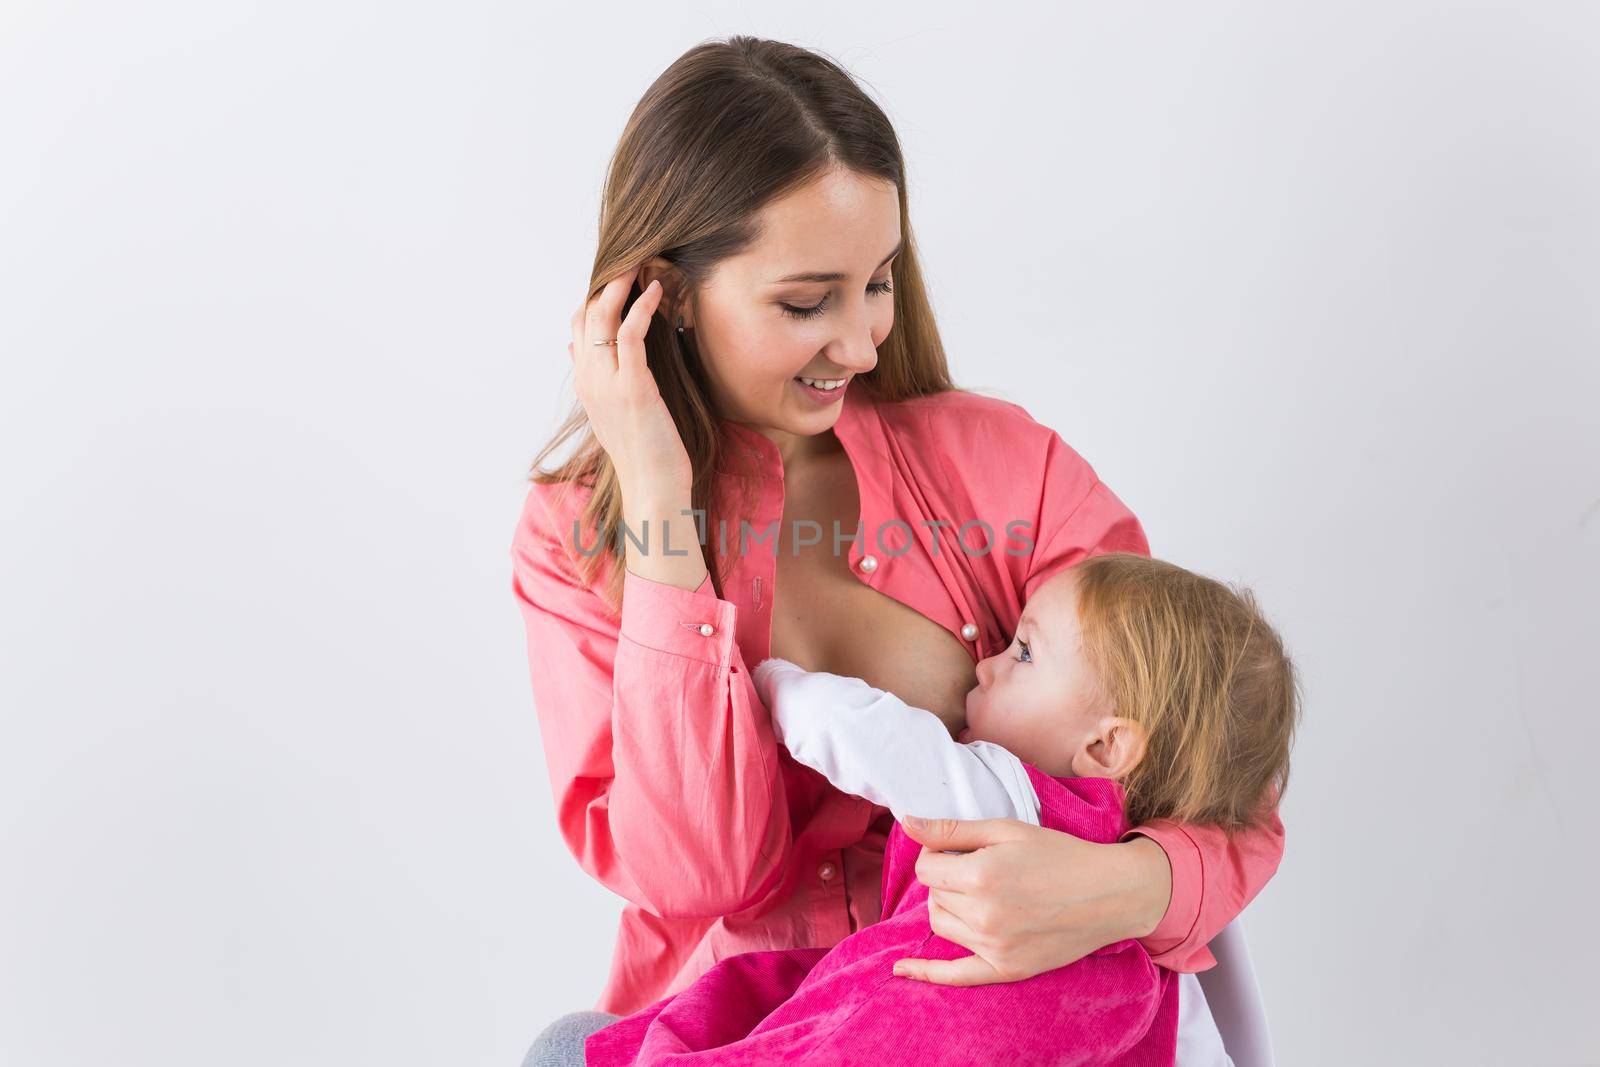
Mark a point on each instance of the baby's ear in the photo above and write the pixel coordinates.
(1113, 749)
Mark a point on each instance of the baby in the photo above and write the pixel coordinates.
(1132, 690)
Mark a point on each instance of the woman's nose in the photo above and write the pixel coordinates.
(856, 353)
(853, 361)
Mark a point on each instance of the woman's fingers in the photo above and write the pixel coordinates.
(951, 872)
(969, 970)
(585, 358)
(603, 315)
(988, 962)
(960, 835)
(619, 395)
(947, 924)
(953, 856)
(577, 329)
(631, 361)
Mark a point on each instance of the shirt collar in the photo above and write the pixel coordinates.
(749, 452)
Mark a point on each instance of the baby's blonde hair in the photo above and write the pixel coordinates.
(1194, 662)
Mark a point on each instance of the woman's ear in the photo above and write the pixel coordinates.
(672, 303)
(1112, 749)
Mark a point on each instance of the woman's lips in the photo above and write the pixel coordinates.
(822, 396)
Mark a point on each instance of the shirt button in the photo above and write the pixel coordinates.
(970, 631)
(706, 629)
(869, 563)
(827, 871)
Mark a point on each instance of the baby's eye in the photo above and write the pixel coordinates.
(1026, 656)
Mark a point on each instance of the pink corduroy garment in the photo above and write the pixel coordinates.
(669, 786)
(845, 1005)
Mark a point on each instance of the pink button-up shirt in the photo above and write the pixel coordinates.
(670, 787)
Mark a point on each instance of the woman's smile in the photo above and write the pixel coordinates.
(821, 391)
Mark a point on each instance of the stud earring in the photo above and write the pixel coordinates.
(680, 323)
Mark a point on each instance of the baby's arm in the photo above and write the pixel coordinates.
(872, 744)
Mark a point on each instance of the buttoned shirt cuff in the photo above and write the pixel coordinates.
(679, 622)
(1183, 908)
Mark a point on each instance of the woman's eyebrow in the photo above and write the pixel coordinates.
(836, 276)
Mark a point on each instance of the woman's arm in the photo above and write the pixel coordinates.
(1025, 899)
(661, 758)
(1214, 875)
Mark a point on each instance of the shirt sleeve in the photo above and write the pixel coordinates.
(1214, 874)
(661, 758)
(872, 744)
(1078, 517)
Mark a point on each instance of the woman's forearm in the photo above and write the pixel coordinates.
(666, 776)
(662, 522)
(1148, 885)
(1027, 899)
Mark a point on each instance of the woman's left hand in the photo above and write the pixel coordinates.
(1024, 899)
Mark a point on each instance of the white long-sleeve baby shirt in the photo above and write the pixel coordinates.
(872, 744)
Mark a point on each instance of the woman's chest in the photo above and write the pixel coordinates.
(826, 618)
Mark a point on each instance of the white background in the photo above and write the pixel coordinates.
(283, 308)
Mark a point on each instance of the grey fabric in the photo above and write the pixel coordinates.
(561, 1043)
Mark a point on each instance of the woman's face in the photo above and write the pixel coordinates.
(760, 329)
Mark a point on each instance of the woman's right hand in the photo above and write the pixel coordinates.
(1025, 899)
(617, 390)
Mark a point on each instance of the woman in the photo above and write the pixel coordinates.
(777, 463)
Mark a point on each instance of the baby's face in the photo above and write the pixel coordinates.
(1038, 697)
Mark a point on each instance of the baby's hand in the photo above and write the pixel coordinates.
(763, 674)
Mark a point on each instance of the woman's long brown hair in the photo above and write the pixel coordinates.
(729, 127)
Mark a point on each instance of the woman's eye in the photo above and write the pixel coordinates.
(875, 288)
(1026, 656)
(805, 313)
